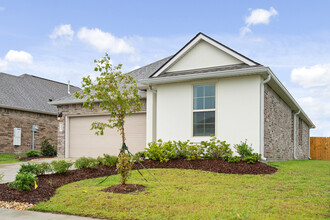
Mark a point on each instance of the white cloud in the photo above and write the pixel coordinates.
(258, 16)
(14, 57)
(104, 41)
(62, 32)
(19, 57)
(307, 77)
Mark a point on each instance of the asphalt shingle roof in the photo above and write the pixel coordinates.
(31, 93)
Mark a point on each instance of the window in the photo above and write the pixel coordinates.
(204, 110)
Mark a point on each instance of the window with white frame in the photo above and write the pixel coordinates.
(204, 110)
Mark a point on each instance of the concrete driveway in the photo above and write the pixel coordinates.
(10, 170)
(9, 214)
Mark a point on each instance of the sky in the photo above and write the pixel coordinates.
(60, 39)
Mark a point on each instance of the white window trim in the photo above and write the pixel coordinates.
(215, 83)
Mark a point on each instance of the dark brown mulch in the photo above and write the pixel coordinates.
(50, 182)
(125, 189)
(32, 158)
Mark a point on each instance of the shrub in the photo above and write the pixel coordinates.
(243, 149)
(140, 154)
(226, 156)
(23, 181)
(194, 151)
(61, 166)
(86, 162)
(108, 160)
(29, 168)
(161, 151)
(182, 148)
(234, 159)
(215, 148)
(43, 167)
(124, 167)
(47, 149)
(253, 158)
(33, 153)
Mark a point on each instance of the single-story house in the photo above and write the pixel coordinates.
(26, 118)
(204, 89)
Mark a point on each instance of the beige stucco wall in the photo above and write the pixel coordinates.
(203, 55)
(237, 110)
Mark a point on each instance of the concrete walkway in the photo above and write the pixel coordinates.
(10, 170)
(9, 214)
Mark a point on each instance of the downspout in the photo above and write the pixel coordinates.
(262, 106)
(295, 135)
(154, 113)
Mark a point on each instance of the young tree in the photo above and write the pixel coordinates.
(114, 92)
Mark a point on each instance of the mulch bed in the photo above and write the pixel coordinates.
(50, 182)
(125, 189)
(33, 158)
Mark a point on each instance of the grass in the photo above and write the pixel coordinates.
(8, 158)
(299, 190)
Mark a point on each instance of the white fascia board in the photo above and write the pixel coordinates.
(27, 110)
(193, 43)
(296, 105)
(196, 76)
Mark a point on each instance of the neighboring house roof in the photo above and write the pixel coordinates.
(31, 93)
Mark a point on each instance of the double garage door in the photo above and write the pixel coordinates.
(84, 142)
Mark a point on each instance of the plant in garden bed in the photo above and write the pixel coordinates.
(23, 181)
(86, 162)
(245, 151)
(108, 160)
(33, 153)
(215, 148)
(113, 92)
(61, 166)
(47, 149)
(124, 166)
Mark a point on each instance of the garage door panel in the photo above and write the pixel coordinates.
(84, 142)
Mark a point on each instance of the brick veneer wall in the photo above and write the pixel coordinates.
(278, 129)
(10, 119)
(76, 109)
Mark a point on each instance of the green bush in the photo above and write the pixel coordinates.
(47, 149)
(234, 159)
(124, 167)
(226, 156)
(243, 149)
(108, 160)
(23, 181)
(182, 148)
(61, 166)
(33, 153)
(43, 168)
(215, 148)
(140, 154)
(194, 151)
(86, 162)
(29, 168)
(253, 158)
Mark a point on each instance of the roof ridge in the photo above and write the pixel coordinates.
(38, 77)
(149, 64)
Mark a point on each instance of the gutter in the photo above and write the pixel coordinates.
(295, 135)
(262, 116)
(28, 110)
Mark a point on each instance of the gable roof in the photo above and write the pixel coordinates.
(200, 36)
(31, 93)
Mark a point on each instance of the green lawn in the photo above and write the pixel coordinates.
(299, 190)
(8, 158)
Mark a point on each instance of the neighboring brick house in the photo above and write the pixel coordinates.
(204, 89)
(23, 104)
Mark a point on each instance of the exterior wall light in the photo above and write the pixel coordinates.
(59, 116)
